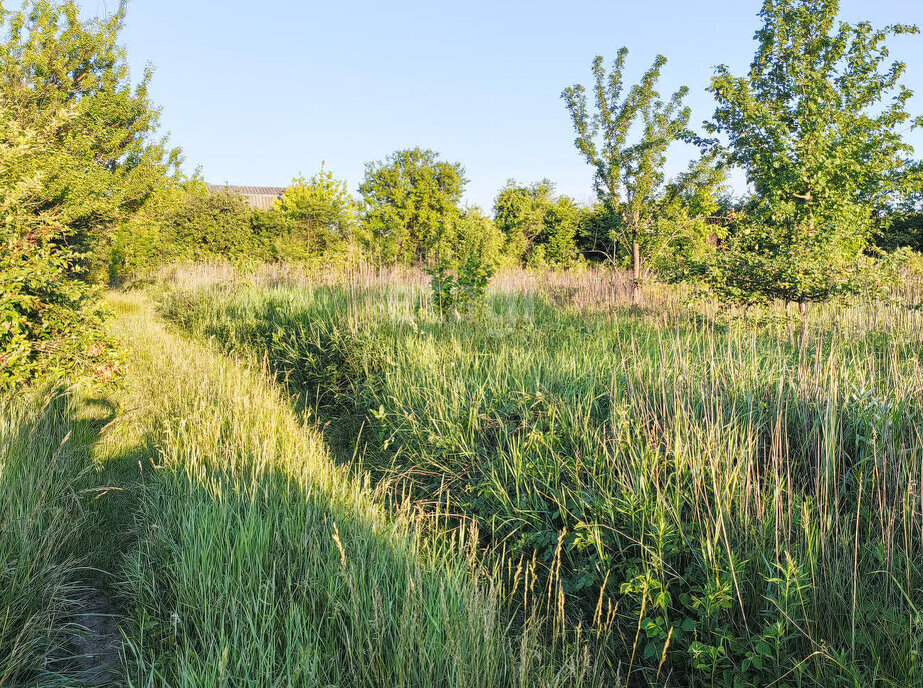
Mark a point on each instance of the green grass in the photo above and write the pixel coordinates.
(49, 545)
(259, 562)
(550, 495)
(720, 501)
(38, 472)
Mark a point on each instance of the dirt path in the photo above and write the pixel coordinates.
(97, 641)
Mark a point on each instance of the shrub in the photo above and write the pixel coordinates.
(462, 285)
(209, 225)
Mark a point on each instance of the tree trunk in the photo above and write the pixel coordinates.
(635, 272)
(803, 312)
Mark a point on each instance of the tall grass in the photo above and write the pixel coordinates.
(41, 466)
(725, 501)
(259, 562)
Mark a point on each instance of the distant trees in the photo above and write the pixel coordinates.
(628, 174)
(817, 126)
(410, 203)
(539, 228)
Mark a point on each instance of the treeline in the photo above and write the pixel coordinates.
(90, 193)
(409, 210)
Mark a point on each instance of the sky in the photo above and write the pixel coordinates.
(256, 93)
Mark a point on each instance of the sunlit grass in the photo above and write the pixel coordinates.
(738, 499)
(259, 562)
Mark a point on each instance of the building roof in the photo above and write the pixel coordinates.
(247, 190)
(261, 197)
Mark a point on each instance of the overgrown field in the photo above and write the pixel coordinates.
(326, 484)
(704, 498)
(195, 507)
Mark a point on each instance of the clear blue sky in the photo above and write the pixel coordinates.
(258, 92)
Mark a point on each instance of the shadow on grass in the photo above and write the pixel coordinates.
(63, 527)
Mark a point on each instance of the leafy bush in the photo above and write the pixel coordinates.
(462, 286)
(209, 225)
(77, 160)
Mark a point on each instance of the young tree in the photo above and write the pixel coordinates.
(540, 229)
(817, 126)
(323, 208)
(628, 175)
(410, 200)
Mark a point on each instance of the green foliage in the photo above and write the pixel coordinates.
(410, 200)
(473, 233)
(688, 219)
(316, 218)
(539, 229)
(69, 79)
(595, 238)
(900, 221)
(210, 225)
(628, 175)
(146, 239)
(276, 237)
(817, 126)
(900, 230)
(323, 213)
(461, 285)
(78, 161)
(49, 321)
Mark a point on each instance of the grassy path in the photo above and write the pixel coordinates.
(188, 528)
(245, 556)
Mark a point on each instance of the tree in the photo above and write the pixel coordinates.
(323, 209)
(69, 78)
(80, 158)
(627, 175)
(540, 228)
(690, 217)
(410, 200)
(819, 140)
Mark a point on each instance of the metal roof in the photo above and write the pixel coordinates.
(247, 190)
